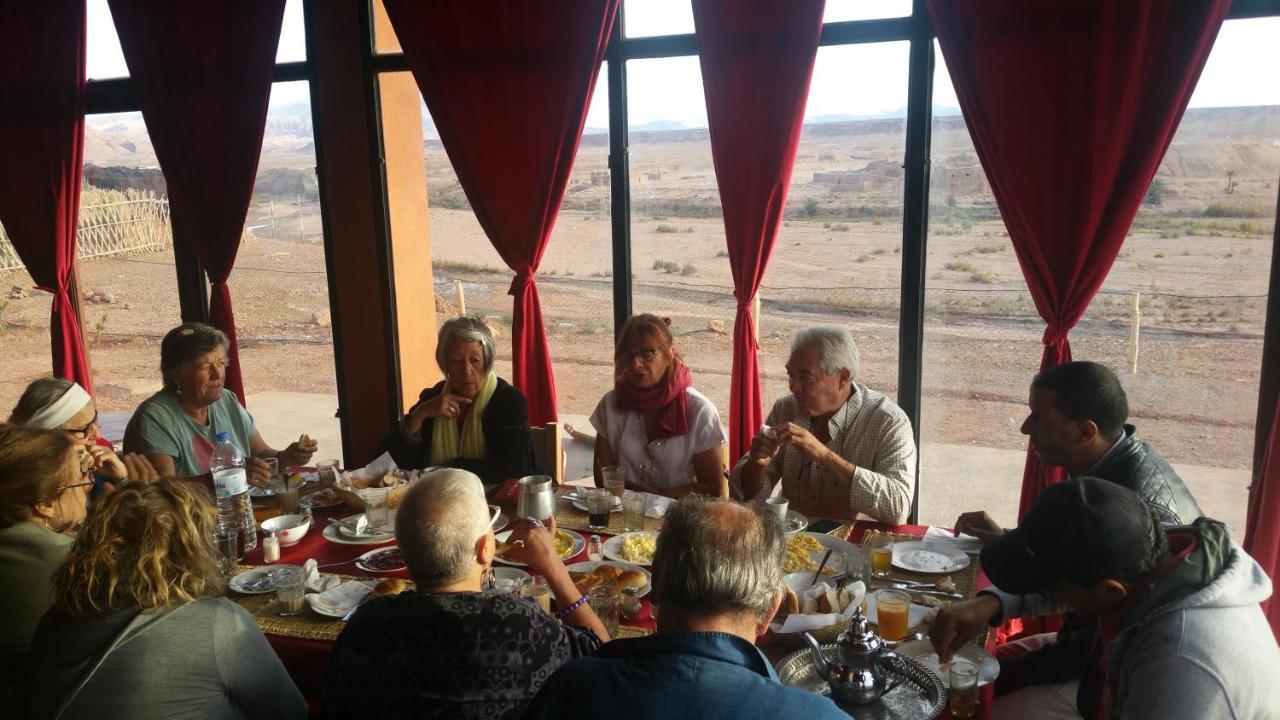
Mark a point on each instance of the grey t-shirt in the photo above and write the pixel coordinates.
(205, 659)
(159, 426)
(29, 555)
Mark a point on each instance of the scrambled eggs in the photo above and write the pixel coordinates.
(639, 548)
(564, 544)
(800, 549)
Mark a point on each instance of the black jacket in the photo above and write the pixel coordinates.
(507, 441)
(1133, 464)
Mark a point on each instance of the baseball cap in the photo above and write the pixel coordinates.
(1079, 532)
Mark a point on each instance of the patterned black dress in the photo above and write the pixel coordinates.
(456, 655)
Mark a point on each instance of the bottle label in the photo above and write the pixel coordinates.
(229, 482)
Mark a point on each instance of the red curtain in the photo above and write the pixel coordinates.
(508, 83)
(202, 72)
(757, 57)
(42, 143)
(1071, 106)
(1262, 530)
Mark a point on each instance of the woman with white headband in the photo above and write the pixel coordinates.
(57, 404)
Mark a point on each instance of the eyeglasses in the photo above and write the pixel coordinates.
(645, 355)
(82, 433)
(86, 483)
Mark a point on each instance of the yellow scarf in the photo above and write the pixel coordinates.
(445, 441)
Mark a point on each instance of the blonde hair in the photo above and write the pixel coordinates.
(143, 546)
(33, 467)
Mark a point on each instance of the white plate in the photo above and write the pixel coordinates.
(497, 520)
(925, 557)
(239, 582)
(922, 650)
(331, 534)
(829, 542)
(578, 546)
(321, 499)
(591, 565)
(347, 533)
(613, 547)
(361, 561)
(795, 522)
(509, 579)
(582, 504)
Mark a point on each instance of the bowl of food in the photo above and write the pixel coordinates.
(289, 528)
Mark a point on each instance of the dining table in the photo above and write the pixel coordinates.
(305, 643)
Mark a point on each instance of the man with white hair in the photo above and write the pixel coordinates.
(717, 577)
(838, 447)
(449, 649)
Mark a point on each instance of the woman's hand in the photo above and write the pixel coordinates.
(444, 405)
(257, 472)
(107, 463)
(535, 547)
(140, 469)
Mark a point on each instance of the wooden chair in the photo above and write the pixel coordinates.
(548, 449)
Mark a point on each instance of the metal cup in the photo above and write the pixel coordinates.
(537, 498)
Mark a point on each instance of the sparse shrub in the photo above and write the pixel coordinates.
(1159, 255)
(862, 258)
(840, 227)
(664, 228)
(826, 226)
(722, 253)
(688, 229)
(688, 269)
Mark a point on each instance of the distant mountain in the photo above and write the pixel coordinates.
(659, 125)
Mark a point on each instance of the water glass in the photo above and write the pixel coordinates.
(228, 544)
(599, 504)
(854, 564)
(273, 470)
(963, 689)
(288, 581)
(606, 602)
(327, 472)
(287, 491)
(614, 479)
(375, 507)
(633, 506)
(536, 589)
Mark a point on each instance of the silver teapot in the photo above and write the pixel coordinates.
(857, 675)
(537, 498)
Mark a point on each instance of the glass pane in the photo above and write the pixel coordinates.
(293, 34)
(1196, 260)
(575, 278)
(840, 10)
(280, 289)
(645, 18)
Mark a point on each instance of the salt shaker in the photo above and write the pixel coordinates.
(631, 605)
(270, 547)
(595, 549)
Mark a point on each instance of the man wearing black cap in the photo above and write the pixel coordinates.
(1180, 633)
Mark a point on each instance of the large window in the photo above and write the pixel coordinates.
(1195, 263)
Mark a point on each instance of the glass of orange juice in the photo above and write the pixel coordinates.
(882, 558)
(892, 607)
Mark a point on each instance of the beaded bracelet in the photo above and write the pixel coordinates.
(564, 612)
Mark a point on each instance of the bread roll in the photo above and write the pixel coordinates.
(631, 578)
(809, 606)
(358, 483)
(390, 586)
(790, 604)
(607, 573)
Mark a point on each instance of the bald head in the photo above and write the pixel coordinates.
(437, 526)
(717, 557)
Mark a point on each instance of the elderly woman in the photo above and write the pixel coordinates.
(176, 428)
(57, 404)
(472, 419)
(447, 649)
(138, 628)
(665, 435)
(43, 478)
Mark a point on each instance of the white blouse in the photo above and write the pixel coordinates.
(665, 462)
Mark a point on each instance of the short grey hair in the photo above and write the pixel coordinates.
(39, 395)
(835, 346)
(717, 556)
(437, 526)
(184, 345)
(465, 329)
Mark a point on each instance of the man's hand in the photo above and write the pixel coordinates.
(960, 623)
(257, 471)
(763, 447)
(980, 525)
(802, 440)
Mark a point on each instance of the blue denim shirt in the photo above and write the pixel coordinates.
(704, 675)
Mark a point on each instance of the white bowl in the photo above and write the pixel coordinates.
(290, 528)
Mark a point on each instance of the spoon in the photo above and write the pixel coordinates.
(821, 565)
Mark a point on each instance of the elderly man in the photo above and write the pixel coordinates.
(1176, 609)
(1077, 421)
(838, 447)
(717, 575)
(448, 649)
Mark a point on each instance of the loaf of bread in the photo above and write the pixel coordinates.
(390, 586)
(630, 579)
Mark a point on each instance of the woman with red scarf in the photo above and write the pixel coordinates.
(666, 435)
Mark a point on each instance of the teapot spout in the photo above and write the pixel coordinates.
(819, 658)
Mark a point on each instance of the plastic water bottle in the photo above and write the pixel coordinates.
(231, 489)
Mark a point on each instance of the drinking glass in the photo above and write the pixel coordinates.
(375, 507)
(633, 506)
(536, 589)
(606, 602)
(854, 564)
(882, 558)
(288, 494)
(963, 689)
(599, 503)
(778, 506)
(327, 472)
(892, 610)
(228, 544)
(614, 479)
(288, 580)
(273, 471)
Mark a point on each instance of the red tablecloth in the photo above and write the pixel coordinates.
(306, 660)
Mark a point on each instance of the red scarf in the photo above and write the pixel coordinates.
(669, 399)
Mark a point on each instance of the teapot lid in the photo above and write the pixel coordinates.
(859, 637)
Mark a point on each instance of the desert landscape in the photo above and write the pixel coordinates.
(1197, 260)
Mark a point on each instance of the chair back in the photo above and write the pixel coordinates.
(549, 450)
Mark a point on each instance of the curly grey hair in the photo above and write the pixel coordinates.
(466, 329)
(835, 346)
